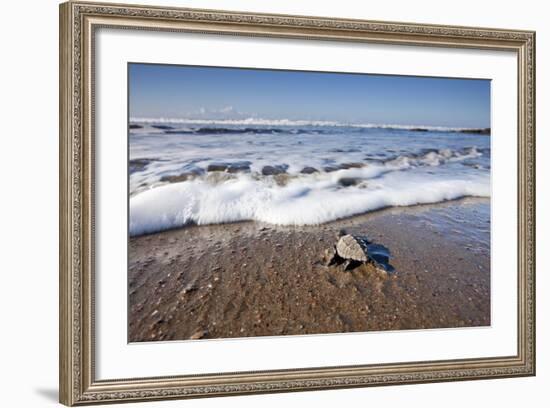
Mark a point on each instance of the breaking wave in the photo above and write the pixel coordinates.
(303, 201)
(219, 195)
(293, 172)
(278, 125)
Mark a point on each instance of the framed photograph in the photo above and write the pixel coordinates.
(256, 203)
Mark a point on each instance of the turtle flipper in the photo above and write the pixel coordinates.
(350, 264)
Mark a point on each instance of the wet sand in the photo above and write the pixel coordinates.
(252, 279)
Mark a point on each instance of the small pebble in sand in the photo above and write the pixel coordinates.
(189, 288)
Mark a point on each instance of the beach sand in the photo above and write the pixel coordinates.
(251, 279)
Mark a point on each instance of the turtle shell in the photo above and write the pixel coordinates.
(353, 247)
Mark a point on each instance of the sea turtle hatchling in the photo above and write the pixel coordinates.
(353, 250)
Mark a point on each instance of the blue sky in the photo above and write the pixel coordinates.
(171, 91)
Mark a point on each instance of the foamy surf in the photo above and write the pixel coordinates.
(303, 201)
(253, 121)
(288, 177)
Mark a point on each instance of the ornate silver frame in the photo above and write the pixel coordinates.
(78, 22)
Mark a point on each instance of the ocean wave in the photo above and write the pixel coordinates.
(217, 125)
(237, 122)
(296, 172)
(236, 130)
(303, 200)
(425, 157)
(436, 157)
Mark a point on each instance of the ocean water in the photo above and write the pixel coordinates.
(294, 173)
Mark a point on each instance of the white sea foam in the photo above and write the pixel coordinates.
(329, 172)
(237, 122)
(253, 121)
(306, 200)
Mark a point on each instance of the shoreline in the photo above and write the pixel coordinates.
(368, 213)
(252, 279)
